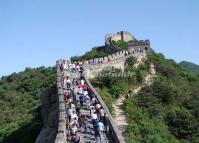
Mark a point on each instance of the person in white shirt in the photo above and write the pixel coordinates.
(92, 110)
(74, 116)
(72, 106)
(74, 129)
(82, 82)
(65, 66)
(85, 93)
(68, 83)
(65, 81)
(73, 68)
(94, 116)
(94, 100)
(80, 90)
(101, 113)
(69, 113)
(87, 101)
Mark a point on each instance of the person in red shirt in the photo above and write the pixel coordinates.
(66, 94)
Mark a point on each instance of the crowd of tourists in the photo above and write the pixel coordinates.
(84, 113)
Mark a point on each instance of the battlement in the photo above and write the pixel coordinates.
(107, 58)
(117, 60)
(138, 43)
(118, 55)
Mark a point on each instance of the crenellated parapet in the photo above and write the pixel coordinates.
(116, 60)
(107, 58)
(61, 129)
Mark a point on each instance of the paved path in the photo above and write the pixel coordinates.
(120, 118)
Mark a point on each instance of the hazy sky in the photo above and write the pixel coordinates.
(38, 32)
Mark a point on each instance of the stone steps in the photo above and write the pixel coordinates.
(120, 118)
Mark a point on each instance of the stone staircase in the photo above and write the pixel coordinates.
(89, 136)
(120, 118)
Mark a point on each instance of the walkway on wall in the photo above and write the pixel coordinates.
(89, 136)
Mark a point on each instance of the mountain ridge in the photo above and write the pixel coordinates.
(190, 67)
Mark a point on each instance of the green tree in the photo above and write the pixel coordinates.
(182, 123)
(130, 61)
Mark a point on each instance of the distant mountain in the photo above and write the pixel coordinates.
(190, 67)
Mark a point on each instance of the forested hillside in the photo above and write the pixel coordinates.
(20, 120)
(166, 111)
(190, 67)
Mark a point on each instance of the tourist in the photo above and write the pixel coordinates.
(74, 129)
(85, 93)
(100, 128)
(92, 109)
(74, 116)
(85, 123)
(94, 116)
(94, 120)
(69, 113)
(61, 66)
(65, 81)
(94, 101)
(66, 96)
(80, 119)
(101, 113)
(97, 107)
(68, 83)
(82, 82)
(78, 66)
(85, 87)
(87, 102)
(81, 99)
(73, 138)
(73, 68)
(97, 136)
(77, 105)
(106, 122)
(72, 106)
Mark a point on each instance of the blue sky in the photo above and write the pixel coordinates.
(38, 32)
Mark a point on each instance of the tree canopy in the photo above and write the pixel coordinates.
(20, 119)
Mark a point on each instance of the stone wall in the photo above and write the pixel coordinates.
(127, 36)
(53, 114)
(123, 35)
(61, 129)
(49, 110)
(117, 60)
(102, 60)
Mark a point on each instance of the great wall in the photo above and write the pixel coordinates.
(56, 131)
(116, 60)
